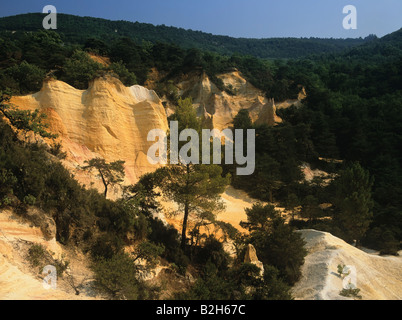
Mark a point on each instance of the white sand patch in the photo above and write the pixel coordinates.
(379, 278)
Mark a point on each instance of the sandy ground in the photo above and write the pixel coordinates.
(378, 277)
(236, 201)
(18, 281)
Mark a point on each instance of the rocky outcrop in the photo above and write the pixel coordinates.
(219, 107)
(111, 121)
(107, 120)
(251, 257)
(41, 220)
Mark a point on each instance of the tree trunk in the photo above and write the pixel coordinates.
(184, 229)
(271, 198)
(105, 191)
(186, 212)
(104, 182)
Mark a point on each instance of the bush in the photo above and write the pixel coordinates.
(117, 277)
(128, 78)
(57, 150)
(24, 78)
(169, 237)
(382, 239)
(29, 200)
(80, 69)
(7, 183)
(243, 282)
(37, 255)
(351, 293)
(212, 252)
(275, 241)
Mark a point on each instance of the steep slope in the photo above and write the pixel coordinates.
(108, 120)
(19, 281)
(219, 107)
(112, 121)
(379, 278)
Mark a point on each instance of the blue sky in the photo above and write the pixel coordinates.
(237, 18)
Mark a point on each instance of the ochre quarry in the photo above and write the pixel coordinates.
(219, 107)
(112, 121)
(107, 120)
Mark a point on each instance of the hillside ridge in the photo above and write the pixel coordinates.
(107, 30)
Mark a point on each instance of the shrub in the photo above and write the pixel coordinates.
(351, 293)
(29, 200)
(128, 78)
(80, 69)
(26, 78)
(212, 251)
(117, 277)
(37, 255)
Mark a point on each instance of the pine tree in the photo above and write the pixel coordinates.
(196, 188)
(110, 173)
(353, 201)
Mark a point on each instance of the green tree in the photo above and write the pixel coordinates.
(353, 201)
(275, 241)
(110, 173)
(242, 120)
(310, 208)
(260, 217)
(291, 203)
(149, 252)
(80, 69)
(196, 188)
(128, 78)
(28, 77)
(267, 177)
(143, 195)
(117, 277)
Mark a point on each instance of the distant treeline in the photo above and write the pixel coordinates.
(78, 29)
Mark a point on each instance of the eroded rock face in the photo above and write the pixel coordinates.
(220, 107)
(251, 257)
(107, 120)
(111, 121)
(41, 220)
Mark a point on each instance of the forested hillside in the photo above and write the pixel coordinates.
(348, 126)
(79, 29)
(353, 113)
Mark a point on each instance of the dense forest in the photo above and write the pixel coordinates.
(349, 126)
(78, 29)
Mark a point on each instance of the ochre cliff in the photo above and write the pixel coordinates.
(107, 120)
(220, 107)
(111, 121)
